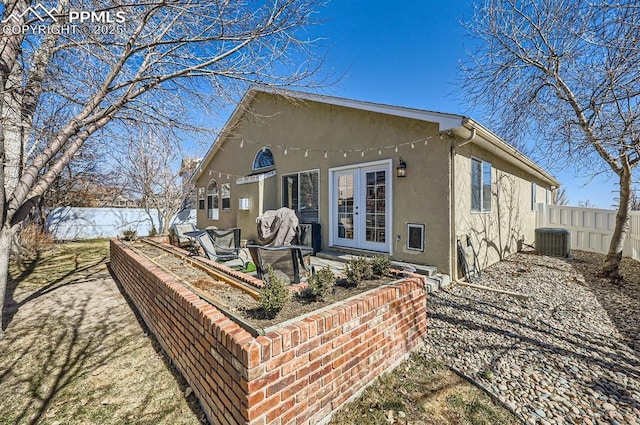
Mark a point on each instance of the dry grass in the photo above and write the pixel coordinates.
(423, 392)
(74, 353)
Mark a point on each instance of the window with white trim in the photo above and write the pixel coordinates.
(263, 159)
(225, 196)
(547, 196)
(300, 192)
(212, 200)
(480, 186)
(201, 192)
(533, 195)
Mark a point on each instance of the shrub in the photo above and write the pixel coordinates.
(153, 232)
(321, 282)
(274, 294)
(32, 240)
(173, 238)
(129, 235)
(356, 270)
(380, 265)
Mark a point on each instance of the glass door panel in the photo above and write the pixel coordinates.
(375, 234)
(345, 207)
(360, 208)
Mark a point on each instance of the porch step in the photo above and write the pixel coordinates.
(437, 282)
(434, 281)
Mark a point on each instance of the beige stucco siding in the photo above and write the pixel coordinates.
(422, 197)
(495, 233)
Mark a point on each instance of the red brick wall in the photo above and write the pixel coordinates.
(298, 373)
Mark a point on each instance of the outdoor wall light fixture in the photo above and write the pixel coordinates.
(244, 204)
(401, 169)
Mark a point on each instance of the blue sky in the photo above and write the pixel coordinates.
(407, 54)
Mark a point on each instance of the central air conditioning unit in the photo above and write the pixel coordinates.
(553, 242)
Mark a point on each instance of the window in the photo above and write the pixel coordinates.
(300, 193)
(533, 196)
(201, 198)
(263, 159)
(415, 237)
(225, 194)
(212, 200)
(547, 196)
(480, 186)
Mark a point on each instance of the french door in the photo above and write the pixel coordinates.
(360, 207)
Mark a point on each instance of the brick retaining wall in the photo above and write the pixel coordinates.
(297, 373)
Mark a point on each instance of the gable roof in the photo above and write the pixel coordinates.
(459, 125)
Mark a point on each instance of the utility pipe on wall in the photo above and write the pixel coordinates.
(453, 268)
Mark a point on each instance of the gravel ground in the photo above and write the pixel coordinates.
(570, 354)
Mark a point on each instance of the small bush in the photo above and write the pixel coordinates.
(380, 265)
(274, 294)
(321, 282)
(356, 270)
(153, 232)
(129, 235)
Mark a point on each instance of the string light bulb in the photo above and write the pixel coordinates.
(242, 143)
(306, 153)
(396, 149)
(286, 150)
(413, 145)
(325, 154)
(379, 151)
(362, 154)
(264, 148)
(345, 154)
(219, 174)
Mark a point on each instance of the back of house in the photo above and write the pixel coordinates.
(375, 178)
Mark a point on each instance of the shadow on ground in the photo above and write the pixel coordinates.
(552, 337)
(74, 352)
(620, 299)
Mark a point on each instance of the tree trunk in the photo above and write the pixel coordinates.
(5, 253)
(614, 256)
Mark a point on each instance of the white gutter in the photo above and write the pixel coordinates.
(489, 141)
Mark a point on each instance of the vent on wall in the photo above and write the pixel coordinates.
(553, 242)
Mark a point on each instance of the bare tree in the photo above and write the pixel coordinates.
(565, 74)
(66, 79)
(150, 171)
(561, 197)
(586, 203)
(635, 201)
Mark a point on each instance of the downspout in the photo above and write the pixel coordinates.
(453, 268)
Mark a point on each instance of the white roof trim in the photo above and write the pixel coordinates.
(445, 122)
(256, 178)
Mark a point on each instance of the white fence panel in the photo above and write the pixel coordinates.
(591, 229)
(71, 223)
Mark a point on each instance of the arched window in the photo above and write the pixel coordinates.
(212, 200)
(264, 159)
